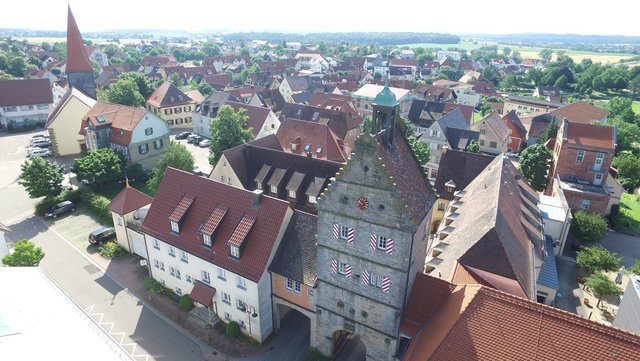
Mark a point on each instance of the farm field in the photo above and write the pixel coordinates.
(530, 52)
(36, 40)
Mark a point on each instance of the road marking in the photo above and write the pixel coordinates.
(118, 337)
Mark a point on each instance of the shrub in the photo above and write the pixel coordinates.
(588, 228)
(186, 303)
(44, 205)
(233, 329)
(135, 172)
(97, 204)
(154, 286)
(111, 250)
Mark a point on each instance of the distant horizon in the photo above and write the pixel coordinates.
(617, 18)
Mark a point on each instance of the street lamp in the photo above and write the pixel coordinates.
(250, 311)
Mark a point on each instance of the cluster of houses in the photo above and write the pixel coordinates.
(452, 259)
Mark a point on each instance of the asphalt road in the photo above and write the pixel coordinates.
(140, 331)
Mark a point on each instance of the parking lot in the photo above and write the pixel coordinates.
(75, 227)
(200, 155)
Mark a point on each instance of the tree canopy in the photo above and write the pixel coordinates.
(41, 178)
(597, 258)
(101, 166)
(602, 285)
(534, 161)
(589, 227)
(228, 129)
(25, 254)
(628, 166)
(125, 92)
(176, 156)
(473, 147)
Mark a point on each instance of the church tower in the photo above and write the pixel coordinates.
(373, 227)
(79, 70)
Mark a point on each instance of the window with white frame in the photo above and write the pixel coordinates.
(376, 280)
(156, 263)
(599, 159)
(226, 298)
(586, 203)
(227, 316)
(172, 251)
(178, 274)
(235, 251)
(172, 271)
(148, 131)
(435, 133)
(188, 278)
(274, 189)
(313, 199)
(178, 291)
(241, 305)
(382, 243)
(344, 232)
(292, 193)
(222, 274)
(184, 257)
(205, 277)
(293, 286)
(206, 239)
(241, 283)
(175, 227)
(157, 144)
(441, 206)
(161, 265)
(143, 148)
(156, 244)
(342, 268)
(580, 156)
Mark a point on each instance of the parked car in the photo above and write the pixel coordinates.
(183, 135)
(41, 143)
(194, 139)
(39, 136)
(39, 152)
(103, 234)
(205, 143)
(60, 209)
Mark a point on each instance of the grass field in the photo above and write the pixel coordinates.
(31, 40)
(530, 52)
(629, 216)
(636, 107)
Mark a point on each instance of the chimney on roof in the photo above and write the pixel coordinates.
(257, 194)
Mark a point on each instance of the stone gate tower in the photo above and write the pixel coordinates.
(373, 226)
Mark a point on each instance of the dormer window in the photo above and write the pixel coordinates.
(319, 150)
(292, 194)
(307, 147)
(237, 240)
(274, 189)
(294, 146)
(206, 239)
(175, 227)
(235, 251)
(210, 227)
(313, 199)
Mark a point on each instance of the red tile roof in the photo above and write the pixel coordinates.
(120, 117)
(202, 293)
(214, 220)
(316, 135)
(77, 58)
(270, 217)
(257, 116)
(128, 200)
(404, 62)
(479, 323)
(242, 230)
(598, 136)
(167, 95)
(25, 92)
(182, 208)
(580, 112)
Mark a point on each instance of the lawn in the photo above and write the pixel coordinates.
(636, 107)
(628, 219)
(112, 192)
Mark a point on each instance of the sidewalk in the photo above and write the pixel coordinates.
(215, 344)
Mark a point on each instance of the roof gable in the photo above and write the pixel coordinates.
(128, 200)
(167, 95)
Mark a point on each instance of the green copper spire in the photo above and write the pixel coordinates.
(386, 98)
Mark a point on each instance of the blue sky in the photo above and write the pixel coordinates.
(613, 17)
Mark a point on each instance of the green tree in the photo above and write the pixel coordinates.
(628, 166)
(41, 178)
(144, 86)
(473, 147)
(634, 85)
(176, 156)
(506, 51)
(535, 76)
(175, 79)
(101, 166)
(56, 71)
(588, 227)
(597, 258)
(621, 108)
(420, 149)
(602, 286)
(46, 46)
(25, 254)
(562, 82)
(125, 92)
(16, 66)
(228, 129)
(635, 269)
(210, 48)
(4, 62)
(550, 133)
(534, 161)
(205, 89)
(546, 54)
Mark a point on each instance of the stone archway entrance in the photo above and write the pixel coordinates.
(347, 346)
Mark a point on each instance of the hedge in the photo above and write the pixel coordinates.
(233, 329)
(111, 250)
(95, 203)
(186, 303)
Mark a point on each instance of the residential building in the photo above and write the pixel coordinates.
(451, 131)
(492, 233)
(364, 97)
(581, 112)
(25, 102)
(312, 139)
(422, 110)
(207, 110)
(410, 64)
(456, 170)
(443, 54)
(65, 120)
(342, 121)
(435, 93)
(518, 132)
(139, 135)
(261, 164)
(445, 321)
(215, 242)
(372, 230)
(614, 187)
(270, 98)
(292, 85)
(467, 95)
(556, 218)
(495, 135)
(582, 156)
(128, 210)
(79, 70)
(627, 315)
(95, 53)
(524, 106)
(549, 93)
(171, 104)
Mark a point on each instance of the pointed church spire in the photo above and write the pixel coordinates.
(77, 58)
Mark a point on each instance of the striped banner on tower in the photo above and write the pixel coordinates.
(386, 284)
(374, 241)
(351, 235)
(334, 266)
(389, 249)
(365, 278)
(336, 230)
(347, 271)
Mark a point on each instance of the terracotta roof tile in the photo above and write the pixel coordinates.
(203, 294)
(270, 220)
(181, 209)
(242, 230)
(580, 112)
(25, 92)
(167, 95)
(120, 117)
(214, 220)
(77, 58)
(316, 136)
(129, 200)
(598, 136)
(256, 116)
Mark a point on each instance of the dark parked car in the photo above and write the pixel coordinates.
(183, 135)
(194, 139)
(102, 235)
(60, 209)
